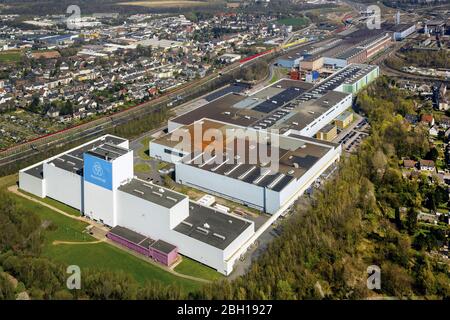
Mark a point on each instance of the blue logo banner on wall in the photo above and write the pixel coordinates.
(98, 171)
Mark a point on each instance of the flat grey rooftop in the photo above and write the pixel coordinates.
(307, 111)
(347, 54)
(212, 227)
(153, 193)
(108, 151)
(78, 152)
(220, 109)
(69, 163)
(128, 234)
(37, 171)
(288, 83)
(163, 246)
(73, 161)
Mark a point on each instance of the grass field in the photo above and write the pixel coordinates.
(193, 268)
(67, 228)
(95, 256)
(105, 256)
(169, 3)
(56, 204)
(295, 22)
(144, 151)
(142, 168)
(10, 56)
(278, 73)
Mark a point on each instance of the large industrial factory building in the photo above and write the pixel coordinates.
(97, 178)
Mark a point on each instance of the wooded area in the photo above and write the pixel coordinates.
(324, 250)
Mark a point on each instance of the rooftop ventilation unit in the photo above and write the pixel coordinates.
(157, 194)
(138, 191)
(202, 230)
(187, 223)
(219, 236)
(172, 199)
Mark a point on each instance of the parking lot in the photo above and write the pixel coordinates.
(351, 137)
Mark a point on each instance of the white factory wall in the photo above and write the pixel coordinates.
(277, 199)
(64, 186)
(314, 127)
(31, 184)
(142, 216)
(157, 151)
(251, 194)
(152, 221)
(125, 144)
(99, 204)
(197, 250)
(122, 169)
(179, 212)
(236, 245)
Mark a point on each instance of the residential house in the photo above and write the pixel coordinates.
(434, 131)
(410, 164)
(427, 165)
(428, 119)
(444, 123)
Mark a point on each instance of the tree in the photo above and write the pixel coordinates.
(284, 290)
(67, 108)
(433, 154)
(411, 220)
(6, 288)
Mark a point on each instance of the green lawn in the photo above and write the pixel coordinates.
(11, 56)
(56, 204)
(7, 181)
(142, 168)
(67, 229)
(196, 269)
(105, 256)
(144, 151)
(274, 78)
(100, 255)
(295, 22)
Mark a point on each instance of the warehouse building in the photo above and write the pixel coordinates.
(302, 107)
(327, 133)
(312, 63)
(97, 178)
(308, 116)
(344, 119)
(400, 31)
(263, 184)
